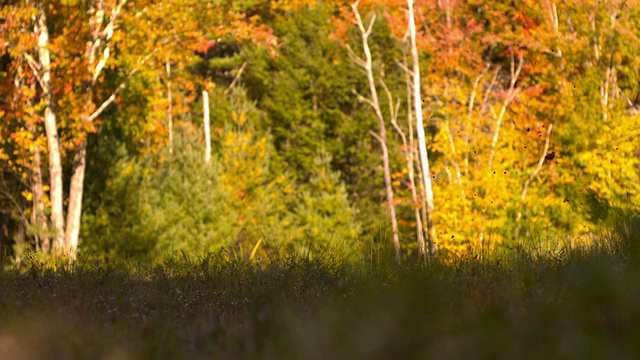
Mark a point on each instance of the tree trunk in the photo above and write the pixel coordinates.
(74, 209)
(38, 217)
(408, 146)
(389, 190)
(367, 65)
(93, 45)
(417, 103)
(170, 110)
(429, 228)
(5, 241)
(51, 130)
(511, 94)
(408, 154)
(414, 193)
(207, 129)
(533, 174)
(21, 236)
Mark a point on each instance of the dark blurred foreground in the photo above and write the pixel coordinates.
(522, 304)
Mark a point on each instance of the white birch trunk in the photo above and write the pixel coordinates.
(51, 130)
(100, 40)
(408, 146)
(422, 145)
(74, 209)
(76, 186)
(533, 174)
(511, 95)
(170, 110)
(367, 65)
(207, 129)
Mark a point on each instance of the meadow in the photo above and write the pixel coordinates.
(524, 303)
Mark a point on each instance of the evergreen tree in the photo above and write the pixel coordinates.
(327, 220)
(162, 203)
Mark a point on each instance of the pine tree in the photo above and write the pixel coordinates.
(327, 220)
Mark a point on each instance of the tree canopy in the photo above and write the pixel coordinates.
(531, 116)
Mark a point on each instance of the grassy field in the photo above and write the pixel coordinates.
(523, 304)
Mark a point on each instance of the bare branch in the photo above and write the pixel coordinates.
(104, 35)
(93, 44)
(101, 63)
(472, 97)
(355, 58)
(472, 100)
(235, 79)
(107, 102)
(370, 28)
(514, 75)
(511, 94)
(120, 87)
(407, 32)
(35, 67)
(489, 89)
(539, 166)
(395, 124)
(364, 99)
(404, 68)
(512, 64)
(108, 30)
(393, 114)
(382, 142)
(15, 202)
(454, 156)
(359, 23)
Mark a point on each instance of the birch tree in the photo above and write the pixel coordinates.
(102, 26)
(24, 98)
(367, 65)
(417, 103)
(207, 126)
(408, 146)
(41, 68)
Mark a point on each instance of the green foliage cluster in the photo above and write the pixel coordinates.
(306, 93)
(156, 204)
(326, 214)
(159, 204)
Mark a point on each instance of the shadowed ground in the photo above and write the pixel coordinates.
(564, 304)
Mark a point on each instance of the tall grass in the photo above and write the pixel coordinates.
(527, 302)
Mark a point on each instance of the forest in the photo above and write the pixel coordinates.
(336, 149)
(135, 129)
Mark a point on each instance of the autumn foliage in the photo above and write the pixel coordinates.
(531, 113)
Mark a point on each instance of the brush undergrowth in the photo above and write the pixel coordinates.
(525, 303)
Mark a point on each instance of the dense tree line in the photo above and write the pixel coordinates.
(529, 111)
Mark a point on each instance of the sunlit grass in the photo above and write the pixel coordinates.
(528, 302)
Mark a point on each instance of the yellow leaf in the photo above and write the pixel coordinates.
(27, 195)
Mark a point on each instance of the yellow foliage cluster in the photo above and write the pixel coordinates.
(499, 175)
